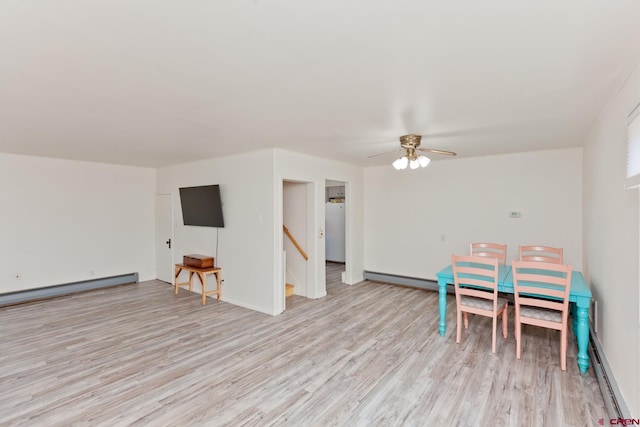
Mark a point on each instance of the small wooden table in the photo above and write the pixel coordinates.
(202, 275)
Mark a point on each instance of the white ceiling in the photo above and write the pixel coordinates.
(153, 83)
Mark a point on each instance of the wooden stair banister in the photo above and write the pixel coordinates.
(295, 242)
(288, 290)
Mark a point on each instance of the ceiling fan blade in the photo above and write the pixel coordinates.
(384, 154)
(433, 150)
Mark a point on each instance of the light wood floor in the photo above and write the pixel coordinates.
(367, 354)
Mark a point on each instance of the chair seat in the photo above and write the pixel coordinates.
(541, 314)
(481, 303)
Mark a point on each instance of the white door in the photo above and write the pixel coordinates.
(164, 236)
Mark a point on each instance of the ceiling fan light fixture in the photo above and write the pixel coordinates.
(410, 144)
(424, 161)
(401, 163)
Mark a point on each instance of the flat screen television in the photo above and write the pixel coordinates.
(202, 206)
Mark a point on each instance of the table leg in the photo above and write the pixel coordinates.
(175, 280)
(203, 282)
(218, 282)
(581, 329)
(442, 306)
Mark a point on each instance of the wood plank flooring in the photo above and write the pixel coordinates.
(367, 354)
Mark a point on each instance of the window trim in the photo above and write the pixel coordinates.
(633, 119)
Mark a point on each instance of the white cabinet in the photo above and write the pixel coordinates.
(335, 193)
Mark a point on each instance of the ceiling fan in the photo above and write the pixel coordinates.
(411, 145)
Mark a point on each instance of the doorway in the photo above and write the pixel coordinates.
(297, 244)
(164, 237)
(335, 230)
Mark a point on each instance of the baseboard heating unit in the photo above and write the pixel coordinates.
(413, 282)
(66, 289)
(613, 400)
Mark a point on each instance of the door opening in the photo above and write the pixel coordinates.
(335, 231)
(296, 242)
(164, 237)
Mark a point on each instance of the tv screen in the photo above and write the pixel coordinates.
(202, 206)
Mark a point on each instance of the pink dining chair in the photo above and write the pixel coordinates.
(541, 292)
(476, 284)
(491, 250)
(540, 254)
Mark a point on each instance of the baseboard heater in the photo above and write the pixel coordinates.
(414, 282)
(66, 288)
(613, 399)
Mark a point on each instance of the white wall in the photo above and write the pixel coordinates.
(295, 219)
(251, 243)
(246, 243)
(416, 219)
(611, 227)
(299, 167)
(65, 221)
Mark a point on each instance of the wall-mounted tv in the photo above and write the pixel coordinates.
(202, 206)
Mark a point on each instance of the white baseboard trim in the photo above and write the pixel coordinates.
(248, 306)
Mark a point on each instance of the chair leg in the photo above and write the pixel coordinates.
(563, 349)
(505, 331)
(518, 339)
(458, 325)
(493, 334)
(466, 320)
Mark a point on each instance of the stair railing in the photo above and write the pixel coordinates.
(295, 243)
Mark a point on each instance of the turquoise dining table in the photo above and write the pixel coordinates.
(579, 295)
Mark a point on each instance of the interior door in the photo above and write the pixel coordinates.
(164, 237)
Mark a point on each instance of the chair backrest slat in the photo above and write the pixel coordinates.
(474, 270)
(532, 278)
(476, 283)
(542, 303)
(540, 254)
(477, 294)
(489, 250)
(525, 290)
